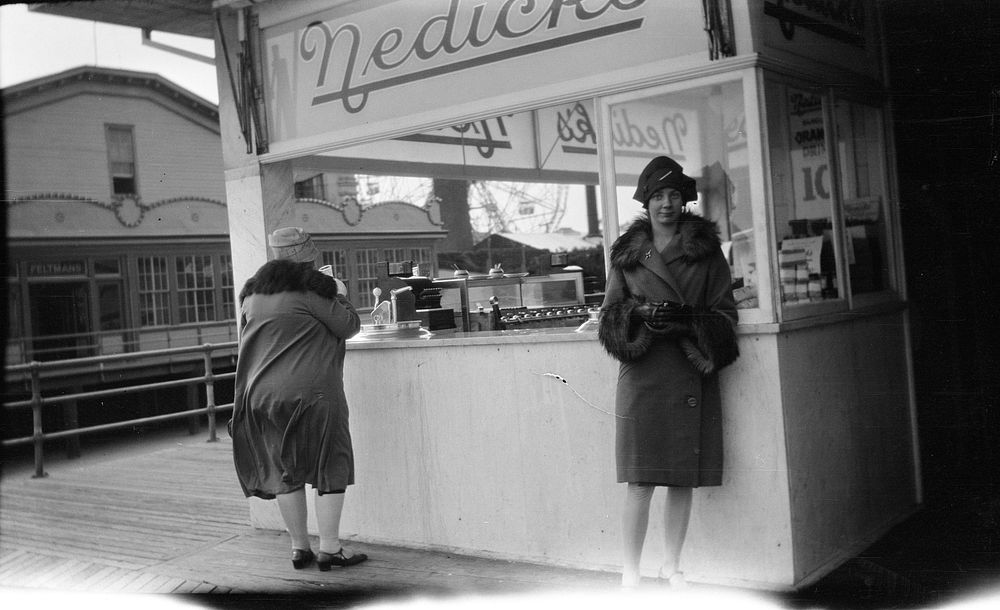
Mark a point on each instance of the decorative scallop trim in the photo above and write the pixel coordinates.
(128, 210)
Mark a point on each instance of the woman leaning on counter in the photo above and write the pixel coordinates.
(669, 317)
(290, 416)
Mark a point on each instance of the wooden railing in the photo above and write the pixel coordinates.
(37, 370)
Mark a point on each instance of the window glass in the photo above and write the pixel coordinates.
(106, 266)
(227, 288)
(121, 159)
(421, 258)
(311, 188)
(859, 152)
(368, 259)
(337, 259)
(703, 130)
(153, 291)
(109, 305)
(195, 289)
(396, 255)
(803, 195)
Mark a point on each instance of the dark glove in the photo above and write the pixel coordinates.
(659, 315)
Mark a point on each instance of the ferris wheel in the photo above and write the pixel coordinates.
(494, 206)
(516, 207)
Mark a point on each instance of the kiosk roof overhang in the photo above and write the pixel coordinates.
(186, 17)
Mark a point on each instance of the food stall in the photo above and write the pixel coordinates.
(499, 442)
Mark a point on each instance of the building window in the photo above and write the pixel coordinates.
(367, 277)
(110, 310)
(195, 289)
(311, 188)
(226, 285)
(154, 291)
(107, 266)
(422, 257)
(121, 159)
(337, 259)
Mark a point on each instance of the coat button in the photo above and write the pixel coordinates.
(692, 402)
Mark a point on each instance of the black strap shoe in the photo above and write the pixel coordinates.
(326, 560)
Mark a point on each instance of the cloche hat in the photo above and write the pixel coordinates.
(663, 172)
(293, 243)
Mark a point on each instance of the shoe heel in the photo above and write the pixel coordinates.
(301, 558)
(324, 562)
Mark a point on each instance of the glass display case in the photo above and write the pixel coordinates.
(519, 299)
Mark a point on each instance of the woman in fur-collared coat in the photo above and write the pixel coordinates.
(669, 317)
(290, 414)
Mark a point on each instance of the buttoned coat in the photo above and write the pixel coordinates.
(669, 424)
(290, 419)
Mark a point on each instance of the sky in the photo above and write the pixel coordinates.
(33, 45)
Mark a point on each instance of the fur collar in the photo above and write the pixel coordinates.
(699, 239)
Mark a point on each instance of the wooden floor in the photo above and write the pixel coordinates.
(169, 517)
(165, 514)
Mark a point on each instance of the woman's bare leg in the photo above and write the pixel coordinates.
(328, 510)
(635, 520)
(676, 515)
(294, 513)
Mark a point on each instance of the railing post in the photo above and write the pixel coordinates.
(210, 393)
(36, 418)
(71, 420)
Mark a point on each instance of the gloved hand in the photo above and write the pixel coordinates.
(659, 315)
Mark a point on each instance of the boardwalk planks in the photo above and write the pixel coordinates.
(171, 519)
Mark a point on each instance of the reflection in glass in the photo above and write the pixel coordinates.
(508, 190)
(703, 129)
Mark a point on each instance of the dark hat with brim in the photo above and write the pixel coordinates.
(294, 244)
(664, 172)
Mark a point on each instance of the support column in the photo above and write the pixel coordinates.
(259, 198)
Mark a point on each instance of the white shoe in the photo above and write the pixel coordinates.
(675, 580)
(630, 582)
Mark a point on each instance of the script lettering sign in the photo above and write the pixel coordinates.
(363, 68)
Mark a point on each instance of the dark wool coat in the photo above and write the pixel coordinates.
(669, 425)
(290, 417)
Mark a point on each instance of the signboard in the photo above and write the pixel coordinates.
(362, 66)
(837, 32)
(808, 154)
(57, 268)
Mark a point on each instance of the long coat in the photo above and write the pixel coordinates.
(290, 418)
(669, 425)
